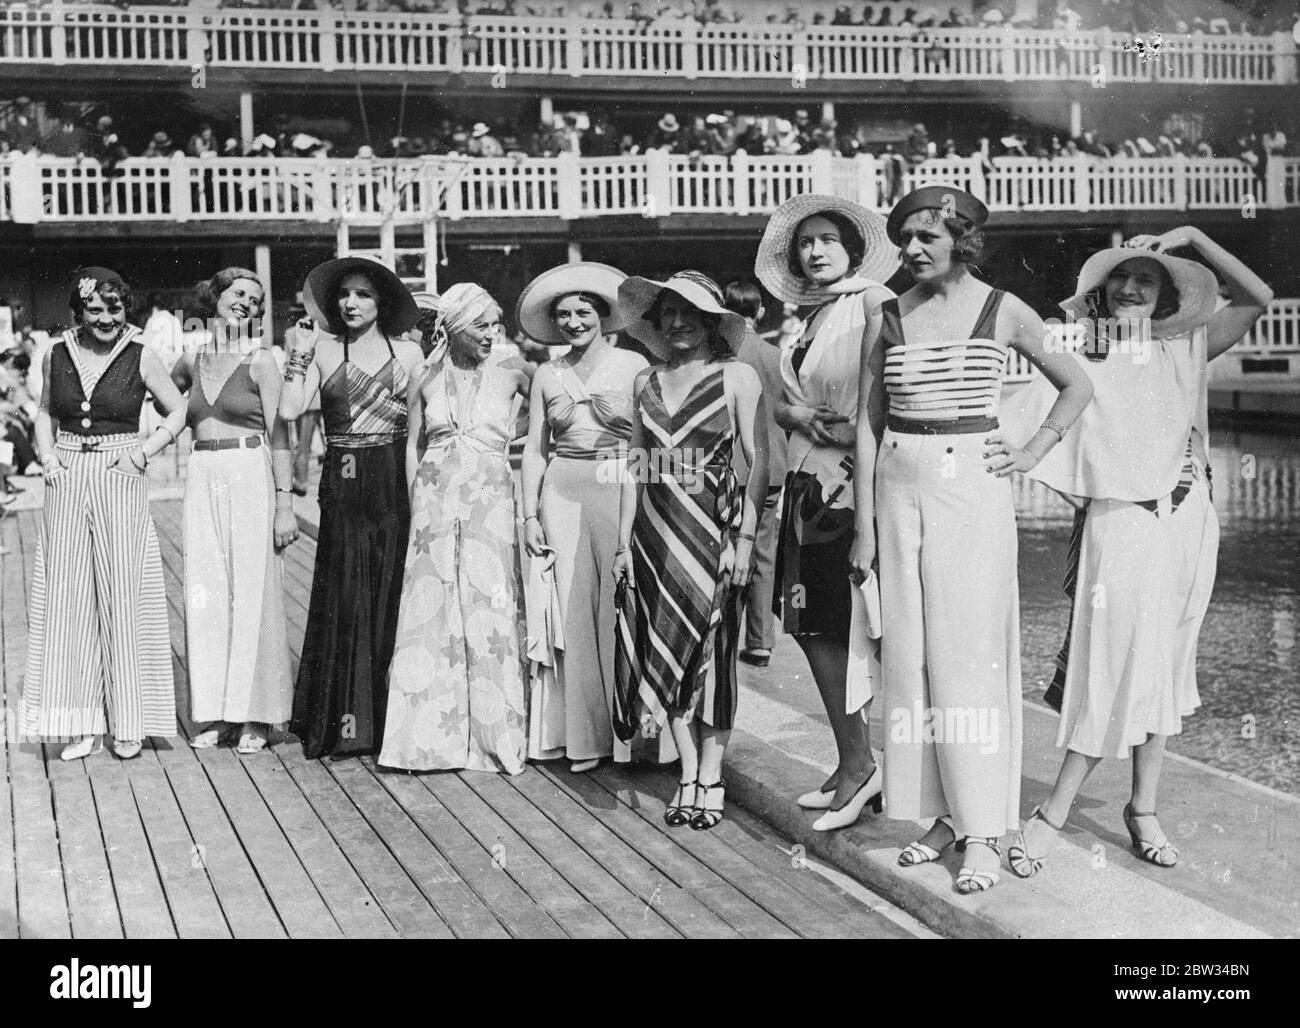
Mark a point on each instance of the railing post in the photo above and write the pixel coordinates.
(455, 47)
(740, 182)
(690, 49)
(659, 193)
(196, 41)
(1082, 188)
(1198, 59)
(1008, 51)
(455, 174)
(329, 39)
(822, 176)
(1275, 182)
(906, 58)
(1105, 55)
(975, 184)
(1180, 182)
(58, 34)
(322, 195)
(178, 183)
(25, 206)
(573, 48)
(570, 185)
(867, 168)
(801, 57)
(1284, 59)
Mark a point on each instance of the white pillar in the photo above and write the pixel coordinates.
(828, 110)
(1116, 237)
(546, 112)
(262, 265)
(1076, 118)
(575, 251)
(246, 130)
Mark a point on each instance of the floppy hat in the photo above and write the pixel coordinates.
(396, 304)
(533, 311)
(1196, 284)
(480, 129)
(936, 197)
(669, 123)
(772, 266)
(637, 295)
(425, 301)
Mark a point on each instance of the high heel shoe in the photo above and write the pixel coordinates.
(1023, 863)
(970, 880)
(86, 746)
(816, 800)
(868, 794)
(705, 818)
(923, 853)
(679, 812)
(1153, 850)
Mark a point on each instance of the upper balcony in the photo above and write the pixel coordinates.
(566, 51)
(42, 190)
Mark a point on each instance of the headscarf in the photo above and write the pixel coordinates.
(458, 308)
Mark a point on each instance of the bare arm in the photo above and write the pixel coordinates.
(1249, 294)
(751, 425)
(266, 376)
(158, 380)
(46, 424)
(871, 418)
(633, 473)
(1027, 336)
(533, 470)
(300, 384)
(414, 421)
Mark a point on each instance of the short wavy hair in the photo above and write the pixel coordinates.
(206, 294)
(967, 237)
(1168, 300)
(850, 238)
(108, 289)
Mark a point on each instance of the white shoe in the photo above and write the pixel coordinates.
(816, 800)
(127, 749)
(86, 746)
(868, 793)
(579, 767)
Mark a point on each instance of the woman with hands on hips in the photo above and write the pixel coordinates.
(942, 504)
(98, 649)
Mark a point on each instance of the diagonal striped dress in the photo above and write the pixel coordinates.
(683, 655)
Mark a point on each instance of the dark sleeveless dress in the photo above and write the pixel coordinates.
(342, 694)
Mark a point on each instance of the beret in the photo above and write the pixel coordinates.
(936, 197)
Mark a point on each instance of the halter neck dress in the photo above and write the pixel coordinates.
(341, 695)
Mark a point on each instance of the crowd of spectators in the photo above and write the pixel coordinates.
(1211, 17)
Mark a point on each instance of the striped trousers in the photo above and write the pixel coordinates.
(98, 640)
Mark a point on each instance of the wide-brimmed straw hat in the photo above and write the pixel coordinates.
(1197, 288)
(637, 295)
(398, 312)
(772, 266)
(533, 311)
(425, 301)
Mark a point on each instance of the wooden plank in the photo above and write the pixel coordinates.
(513, 853)
(140, 897)
(398, 896)
(42, 897)
(13, 647)
(288, 886)
(92, 904)
(738, 910)
(195, 909)
(655, 892)
(357, 912)
(621, 906)
(407, 818)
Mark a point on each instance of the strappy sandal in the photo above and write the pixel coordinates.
(970, 880)
(705, 818)
(921, 853)
(1158, 849)
(680, 812)
(1023, 863)
(253, 740)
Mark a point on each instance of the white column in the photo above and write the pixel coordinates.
(575, 251)
(546, 110)
(1116, 237)
(828, 110)
(1076, 118)
(262, 265)
(246, 129)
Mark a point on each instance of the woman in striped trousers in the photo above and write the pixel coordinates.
(98, 651)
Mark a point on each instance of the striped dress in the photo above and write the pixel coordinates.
(98, 647)
(683, 653)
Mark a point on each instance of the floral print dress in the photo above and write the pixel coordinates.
(456, 691)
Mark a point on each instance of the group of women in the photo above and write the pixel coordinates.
(426, 644)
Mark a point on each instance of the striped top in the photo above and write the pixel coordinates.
(357, 405)
(941, 380)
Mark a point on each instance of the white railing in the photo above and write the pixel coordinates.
(38, 188)
(332, 40)
(1278, 331)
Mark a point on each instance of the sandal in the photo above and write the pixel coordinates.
(705, 818)
(970, 880)
(920, 853)
(1158, 849)
(253, 739)
(680, 812)
(1023, 863)
(211, 737)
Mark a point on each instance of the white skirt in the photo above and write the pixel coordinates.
(1144, 586)
(234, 593)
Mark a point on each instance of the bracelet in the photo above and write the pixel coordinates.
(1055, 426)
(531, 517)
(746, 535)
(279, 490)
(622, 550)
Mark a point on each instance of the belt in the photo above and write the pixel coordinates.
(946, 426)
(250, 442)
(353, 441)
(94, 443)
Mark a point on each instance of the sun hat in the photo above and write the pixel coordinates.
(668, 123)
(533, 311)
(479, 129)
(636, 295)
(716, 119)
(1197, 288)
(772, 266)
(938, 196)
(162, 139)
(303, 141)
(398, 310)
(425, 301)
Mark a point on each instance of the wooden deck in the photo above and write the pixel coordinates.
(206, 844)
